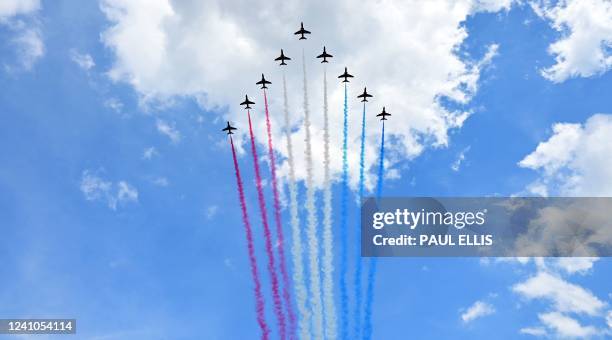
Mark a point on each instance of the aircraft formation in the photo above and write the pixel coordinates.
(283, 58)
(315, 319)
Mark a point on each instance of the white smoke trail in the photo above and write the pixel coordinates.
(296, 249)
(328, 253)
(311, 231)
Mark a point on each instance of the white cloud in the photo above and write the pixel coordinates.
(95, 188)
(565, 296)
(460, 158)
(114, 104)
(609, 319)
(83, 60)
(168, 130)
(161, 181)
(566, 327)
(575, 160)
(537, 188)
(487, 59)
(477, 310)
(586, 29)
(557, 151)
(576, 265)
(20, 17)
(149, 152)
(126, 192)
(211, 211)
(520, 259)
(492, 5)
(30, 46)
(10, 8)
(535, 331)
(204, 49)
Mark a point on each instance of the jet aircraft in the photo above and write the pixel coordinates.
(324, 55)
(365, 95)
(384, 114)
(282, 58)
(263, 82)
(302, 31)
(345, 75)
(247, 102)
(229, 129)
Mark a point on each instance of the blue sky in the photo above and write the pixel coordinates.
(150, 245)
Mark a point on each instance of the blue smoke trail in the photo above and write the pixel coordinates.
(381, 165)
(343, 227)
(357, 282)
(367, 328)
(331, 332)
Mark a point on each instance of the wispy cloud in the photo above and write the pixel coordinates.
(460, 159)
(576, 265)
(11, 8)
(126, 192)
(534, 331)
(114, 104)
(20, 17)
(565, 296)
(30, 46)
(161, 181)
(228, 263)
(96, 188)
(83, 60)
(149, 152)
(211, 211)
(168, 130)
(477, 310)
(567, 327)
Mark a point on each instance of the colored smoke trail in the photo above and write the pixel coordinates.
(343, 222)
(311, 231)
(296, 245)
(367, 328)
(328, 252)
(279, 226)
(381, 164)
(278, 308)
(259, 300)
(358, 264)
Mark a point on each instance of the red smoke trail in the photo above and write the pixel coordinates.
(259, 300)
(278, 308)
(279, 227)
